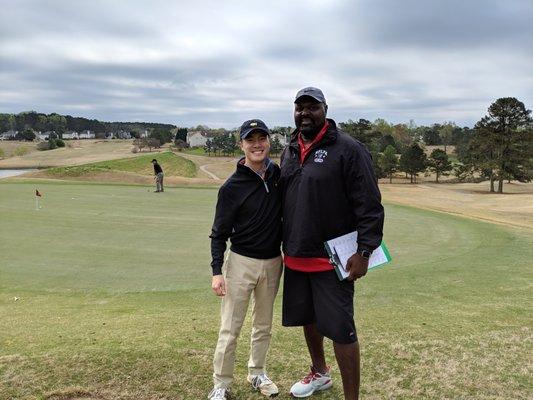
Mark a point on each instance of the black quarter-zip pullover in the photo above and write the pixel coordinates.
(248, 212)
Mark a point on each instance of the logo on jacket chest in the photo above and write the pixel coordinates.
(320, 155)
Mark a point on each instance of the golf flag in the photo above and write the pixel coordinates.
(37, 195)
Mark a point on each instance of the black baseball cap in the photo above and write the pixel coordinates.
(253, 125)
(154, 160)
(312, 92)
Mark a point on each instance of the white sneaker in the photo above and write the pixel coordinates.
(217, 394)
(311, 383)
(263, 383)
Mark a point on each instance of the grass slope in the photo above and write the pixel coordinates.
(105, 293)
(172, 164)
(10, 148)
(76, 152)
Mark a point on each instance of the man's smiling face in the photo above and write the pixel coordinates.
(256, 147)
(309, 116)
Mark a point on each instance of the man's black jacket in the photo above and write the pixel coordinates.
(332, 193)
(157, 168)
(248, 212)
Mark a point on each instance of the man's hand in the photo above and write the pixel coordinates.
(357, 266)
(218, 285)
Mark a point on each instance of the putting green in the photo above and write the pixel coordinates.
(105, 291)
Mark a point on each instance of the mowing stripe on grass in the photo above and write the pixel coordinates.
(107, 289)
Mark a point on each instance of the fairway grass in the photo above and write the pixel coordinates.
(105, 294)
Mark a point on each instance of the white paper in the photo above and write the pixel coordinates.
(345, 246)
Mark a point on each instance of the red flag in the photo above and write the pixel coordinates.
(37, 193)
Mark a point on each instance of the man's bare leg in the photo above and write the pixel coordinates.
(348, 360)
(315, 344)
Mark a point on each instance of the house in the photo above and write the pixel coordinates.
(123, 135)
(282, 138)
(198, 138)
(86, 135)
(46, 135)
(41, 136)
(109, 135)
(9, 135)
(70, 135)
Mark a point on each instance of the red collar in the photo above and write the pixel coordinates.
(305, 148)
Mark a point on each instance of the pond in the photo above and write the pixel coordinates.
(6, 173)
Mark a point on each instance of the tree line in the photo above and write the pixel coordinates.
(39, 122)
(226, 144)
(498, 148)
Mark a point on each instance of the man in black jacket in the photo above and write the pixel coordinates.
(328, 190)
(158, 176)
(248, 212)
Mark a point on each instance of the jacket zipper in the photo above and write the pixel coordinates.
(260, 177)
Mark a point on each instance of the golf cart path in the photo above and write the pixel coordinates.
(204, 167)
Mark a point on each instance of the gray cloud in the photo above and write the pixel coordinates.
(451, 24)
(220, 63)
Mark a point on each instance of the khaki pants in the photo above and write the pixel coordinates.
(246, 277)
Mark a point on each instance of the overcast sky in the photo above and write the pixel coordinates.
(221, 62)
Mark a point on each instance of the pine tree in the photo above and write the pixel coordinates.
(439, 163)
(275, 146)
(208, 148)
(505, 135)
(389, 162)
(413, 161)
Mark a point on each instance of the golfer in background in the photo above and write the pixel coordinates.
(158, 172)
(248, 213)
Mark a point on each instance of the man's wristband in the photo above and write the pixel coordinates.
(364, 253)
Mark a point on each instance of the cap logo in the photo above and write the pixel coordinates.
(253, 124)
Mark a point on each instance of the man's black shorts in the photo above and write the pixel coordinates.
(320, 298)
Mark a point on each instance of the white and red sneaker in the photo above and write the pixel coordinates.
(313, 382)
